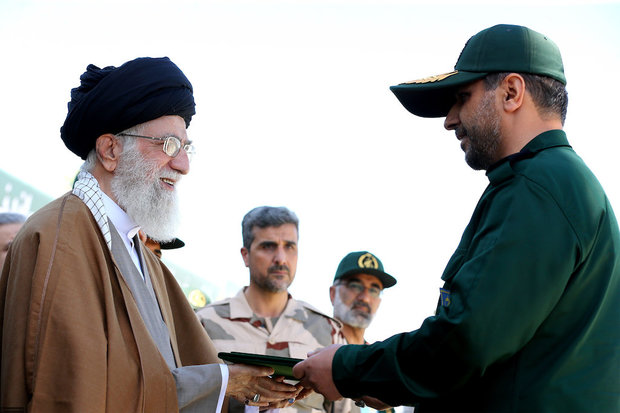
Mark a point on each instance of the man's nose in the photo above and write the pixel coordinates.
(280, 257)
(364, 295)
(180, 163)
(452, 118)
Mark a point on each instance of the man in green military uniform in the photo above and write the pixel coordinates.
(528, 315)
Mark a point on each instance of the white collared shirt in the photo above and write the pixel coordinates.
(125, 227)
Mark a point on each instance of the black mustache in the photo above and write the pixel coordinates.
(279, 268)
(361, 304)
(460, 132)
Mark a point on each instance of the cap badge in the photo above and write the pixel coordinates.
(431, 79)
(368, 261)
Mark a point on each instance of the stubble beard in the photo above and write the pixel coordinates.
(484, 136)
(350, 316)
(267, 283)
(137, 188)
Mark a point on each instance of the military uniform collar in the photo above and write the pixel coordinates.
(240, 308)
(549, 139)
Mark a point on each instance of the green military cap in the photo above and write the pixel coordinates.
(501, 48)
(363, 262)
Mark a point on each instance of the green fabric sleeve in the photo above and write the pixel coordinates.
(506, 276)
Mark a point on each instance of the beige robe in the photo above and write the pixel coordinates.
(72, 339)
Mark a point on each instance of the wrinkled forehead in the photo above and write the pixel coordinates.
(169, 125)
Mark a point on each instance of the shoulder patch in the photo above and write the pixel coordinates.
(445, 297)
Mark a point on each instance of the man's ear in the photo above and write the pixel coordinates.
(108, 149)
(513, 88)
(245, 253)
(332, 293)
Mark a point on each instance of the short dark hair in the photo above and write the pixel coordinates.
(11, 218)
(263, 217)
(549, 95)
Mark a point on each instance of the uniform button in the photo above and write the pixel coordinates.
(272, 341)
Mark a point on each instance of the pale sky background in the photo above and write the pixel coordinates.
(294, 109)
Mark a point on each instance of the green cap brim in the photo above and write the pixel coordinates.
(386, 279)
(434, 96)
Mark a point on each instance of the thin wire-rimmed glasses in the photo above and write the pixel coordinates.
(172, 144)
(358, 288)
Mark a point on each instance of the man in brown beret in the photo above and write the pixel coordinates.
(91, 320)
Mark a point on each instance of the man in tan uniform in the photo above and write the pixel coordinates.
(263, 318)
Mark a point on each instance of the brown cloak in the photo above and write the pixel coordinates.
(72, 339)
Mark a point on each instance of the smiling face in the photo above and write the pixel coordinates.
(272, 257)
(171, 168)
(476, 121)
(145, 179)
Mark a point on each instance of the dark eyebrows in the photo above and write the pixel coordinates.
(270, 243)
(372, 284)
(267, 243)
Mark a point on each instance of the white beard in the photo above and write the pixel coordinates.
(137, 188)
(347, 315)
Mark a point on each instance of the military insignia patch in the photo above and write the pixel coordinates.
(445, 297)
(368, 261)
(431, 79)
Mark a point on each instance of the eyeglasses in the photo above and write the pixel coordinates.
(172, 144)
(358, 288)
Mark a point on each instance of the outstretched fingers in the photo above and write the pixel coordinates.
(251, 385)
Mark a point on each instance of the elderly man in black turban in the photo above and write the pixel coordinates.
(90, 319)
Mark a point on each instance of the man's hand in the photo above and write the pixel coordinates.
(375, 403)
(301, 394)
(245, 382)
(316, 372)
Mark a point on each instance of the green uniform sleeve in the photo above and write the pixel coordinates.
(510, 269)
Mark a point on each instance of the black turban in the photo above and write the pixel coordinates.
(113, 99)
